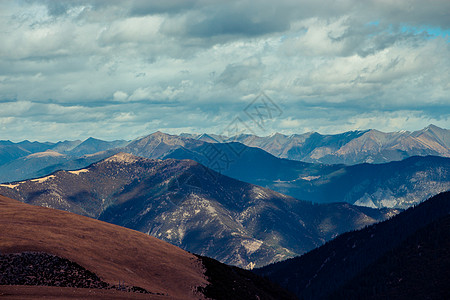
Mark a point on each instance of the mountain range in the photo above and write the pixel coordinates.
(405, 257)
(47, 253)
(195, 208)
(397, 184)
(10, 151)
(352, 147)
(320, 215)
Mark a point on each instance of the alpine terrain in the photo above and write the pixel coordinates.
(191, 206)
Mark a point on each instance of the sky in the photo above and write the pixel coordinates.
(122, 69)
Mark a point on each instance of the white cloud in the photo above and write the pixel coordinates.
(120, 96)
(194, 65)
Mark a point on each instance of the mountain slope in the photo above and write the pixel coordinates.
(10, 152)
(24, 160)
(28, 166)
(44, 163)
(394, 184)
(92, 145)
(188, 205)
(111, 252)
(352, 147)
(323, 271)
(115, 254)
(158, 144)
(308, 147)
(419, 268)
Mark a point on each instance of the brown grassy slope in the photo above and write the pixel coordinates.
(112, 252)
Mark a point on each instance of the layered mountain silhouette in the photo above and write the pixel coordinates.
(353, 147)
(51, 253)
(397, 184)
(92, 145)
(191, 206)
(393, 184)
(191, 191)
(44, 163)
(402, 258)
(10, 151)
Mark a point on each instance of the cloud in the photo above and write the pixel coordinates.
(111, 69)
(120, 96)
(234, 74)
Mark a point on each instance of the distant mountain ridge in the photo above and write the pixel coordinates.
(398, 184)
(10, 151)
(352, 147)
(188, 205)
(158, 144)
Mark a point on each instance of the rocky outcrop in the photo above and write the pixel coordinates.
(43, 269)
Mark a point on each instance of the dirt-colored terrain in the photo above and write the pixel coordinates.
(112, 252)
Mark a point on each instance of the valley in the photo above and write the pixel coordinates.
(226, 202)
(195, 208)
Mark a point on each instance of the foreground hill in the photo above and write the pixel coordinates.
(188, 205)
(403, 257)
(417, 269)
(108, 255)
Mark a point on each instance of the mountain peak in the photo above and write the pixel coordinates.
(91, 139)
(277, 135)
(432, 127)
(169, 139)
(159, 133)
(208, 138)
